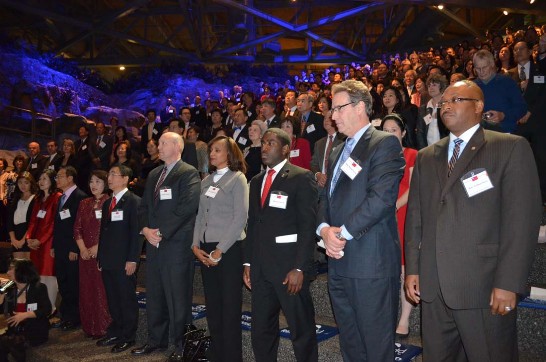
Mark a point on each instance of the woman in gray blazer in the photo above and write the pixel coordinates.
(219, 229)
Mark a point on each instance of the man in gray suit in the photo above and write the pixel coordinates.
(358, 226)
(167, 216)
(472, 226)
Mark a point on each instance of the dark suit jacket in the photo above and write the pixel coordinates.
(86, 152)
(120, 241)
(317, 121)
(63, 230)
(56, 162)
(535, 93)
(317, 161)
(189, 155)
(266, 256)
(242, 139)
(366, 206)
(275, 122)
(36, 167)
(104, 151)
(296, 114)
(199, 116)
(422, 127)
(144, 139)
(468, 246)
(173, 217)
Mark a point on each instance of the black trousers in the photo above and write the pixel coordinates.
(223, 299)
(268, 298)
(68, 279)
(8, 346)
(122, 304)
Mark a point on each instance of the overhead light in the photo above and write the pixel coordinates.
(505, 12)
(440, 7)
(531, 2)
(121, 67)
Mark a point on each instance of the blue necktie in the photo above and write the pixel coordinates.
(344, 156)
(63, 200)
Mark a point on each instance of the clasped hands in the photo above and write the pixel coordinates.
(152, 235)
(89, 253)
(205, 258)
(334, 245)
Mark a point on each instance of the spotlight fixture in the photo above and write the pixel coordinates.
(440, 7)
(505, 12)
(531, 2)
(121, 67)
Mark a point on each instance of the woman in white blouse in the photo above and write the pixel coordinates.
(19, 214)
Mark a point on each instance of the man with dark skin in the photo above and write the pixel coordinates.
(279, 251)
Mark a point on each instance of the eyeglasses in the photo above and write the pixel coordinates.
(456, 100)
(59, 176)
(338, 108)
(114, 174)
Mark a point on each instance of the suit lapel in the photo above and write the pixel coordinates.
(440, 160)
(277, 182)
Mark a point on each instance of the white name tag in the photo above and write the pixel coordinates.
(278, 200)
(427, 119)
(351, 168)
(102, 144)
(295, 153)
(65, 214)
(165, 194)
(31, 307)
(212, 191)
(84, 147)
(117, 215)
(41, 214)
(51, 167)
(98, 214)
(197, 113)
(476, 181)
(34, 165)
(311, 128)
(538, 79)
(242, 140)
(154, 131)
(285, 239)
(376, 122)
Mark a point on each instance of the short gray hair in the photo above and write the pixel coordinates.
(261, 125)
(357, 92)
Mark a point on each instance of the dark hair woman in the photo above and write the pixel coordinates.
(19, 214)
(26, 308)
(300, 150)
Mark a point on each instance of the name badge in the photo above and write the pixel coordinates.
(34, 165)
(286, 239)
(351, 168)
(242, 140)
(294, 153)
(212, 191)
(171, 110)
(84, 147)
(427, 119)
(197, 112)
(476, 181)
(154, 131)
(311, 128)
(98, 214)
(65, 214)
(31, 307)
(41, 214)
(538, 79)
(117, 215)
(376, 122)
(278, 200)
(165, 194)
(102, 144)
(51, 167)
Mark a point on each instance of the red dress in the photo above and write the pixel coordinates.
(41, 228)
(94, 314)
(300, 153)
(409, 155)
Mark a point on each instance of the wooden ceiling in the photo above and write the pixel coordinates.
(100, 33)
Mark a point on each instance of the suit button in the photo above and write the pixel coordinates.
(442, 202)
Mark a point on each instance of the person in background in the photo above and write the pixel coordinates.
(94, 314)
(69, 153)
(201, 148)
(6, 178)
(36, 161)
(40, 232)
(123, 155)
(253, 153)
(394, 124)
(54, 158)
(217, 244)
(300, 150)
(19, 214)
(104, 144)
(27, 308)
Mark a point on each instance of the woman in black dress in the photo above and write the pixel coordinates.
(253, 153)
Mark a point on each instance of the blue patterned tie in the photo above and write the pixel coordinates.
(344, 156)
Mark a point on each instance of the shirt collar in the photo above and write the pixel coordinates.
(278, 167)
(120, 194)
(466, 136)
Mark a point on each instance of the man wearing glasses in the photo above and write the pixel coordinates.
(472, 224)
(358, 227)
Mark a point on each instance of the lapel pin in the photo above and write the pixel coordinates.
(473, 148)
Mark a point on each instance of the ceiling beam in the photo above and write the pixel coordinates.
(450, 15)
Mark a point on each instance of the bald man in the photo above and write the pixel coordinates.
(473, 217)
(36, 162)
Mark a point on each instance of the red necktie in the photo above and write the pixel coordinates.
(112, 204)
(328, 151)
(267, 186)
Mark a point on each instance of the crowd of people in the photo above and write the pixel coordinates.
(241, 183)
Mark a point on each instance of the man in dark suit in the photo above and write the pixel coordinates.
(531, 79)
(150, 130)
(290, 105)
(167, 216)
(86, 152)
(119, 253)
(55, 158)
(358, 227)
(104, 145)
(35, 163)
(64, 248)
(268, 111)
(240, 128)
(467, 274)
(168, 112)
(311, 122)
(323, 150)
(198, 113)
(279, 251)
